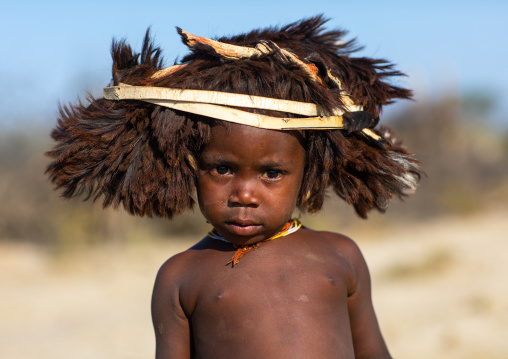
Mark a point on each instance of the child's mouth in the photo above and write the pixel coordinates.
(243, 229)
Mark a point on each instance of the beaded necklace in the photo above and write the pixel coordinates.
(290, 227)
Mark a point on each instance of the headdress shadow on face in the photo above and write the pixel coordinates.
(138, 146)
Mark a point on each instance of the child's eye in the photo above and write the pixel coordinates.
(273, 174)
(221, 170)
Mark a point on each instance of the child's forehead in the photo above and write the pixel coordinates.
(236, 138)
(241, 133)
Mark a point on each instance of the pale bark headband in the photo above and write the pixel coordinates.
(219, 105)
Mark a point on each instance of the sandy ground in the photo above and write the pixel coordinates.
(440, 291)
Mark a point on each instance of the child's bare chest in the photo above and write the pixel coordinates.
(266, 275)
(283, 302)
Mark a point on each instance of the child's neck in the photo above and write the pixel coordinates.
(290, 227)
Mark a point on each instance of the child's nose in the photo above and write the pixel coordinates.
(244, 194)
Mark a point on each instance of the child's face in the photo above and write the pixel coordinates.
(248, 181)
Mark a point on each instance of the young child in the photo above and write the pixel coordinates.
(253, 125)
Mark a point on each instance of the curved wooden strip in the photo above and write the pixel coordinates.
(221, 48)
(237, 52)
(167, 71)
(218, 98)
(252, 119)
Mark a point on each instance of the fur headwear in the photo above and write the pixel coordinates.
(143, 155)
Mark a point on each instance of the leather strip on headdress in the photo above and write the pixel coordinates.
(216, 104)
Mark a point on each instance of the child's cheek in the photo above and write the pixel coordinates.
(211, 195)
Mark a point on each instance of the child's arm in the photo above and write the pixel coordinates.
(171, 325)
(367, 339)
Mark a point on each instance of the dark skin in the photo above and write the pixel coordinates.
(305, 295)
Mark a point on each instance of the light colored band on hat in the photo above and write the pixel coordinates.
(206, 103)
(193, 101)
(253, 119)
(147, 93)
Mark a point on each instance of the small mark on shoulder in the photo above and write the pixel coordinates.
(303, 298)
(330, 280)
(160, 328)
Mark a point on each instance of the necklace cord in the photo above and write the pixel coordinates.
(290, 227)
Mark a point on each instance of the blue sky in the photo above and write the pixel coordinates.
(55, 51)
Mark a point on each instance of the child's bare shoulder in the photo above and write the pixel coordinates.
(174, 268)
(178, 267)
(339, 244)
(333, 240)
(171, 275)
(175, 277)
(350, 252)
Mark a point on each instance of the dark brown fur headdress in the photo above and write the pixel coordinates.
(142, 153)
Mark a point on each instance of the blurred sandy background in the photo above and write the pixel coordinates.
(76, 280)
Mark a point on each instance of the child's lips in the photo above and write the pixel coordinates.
(243, 228)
